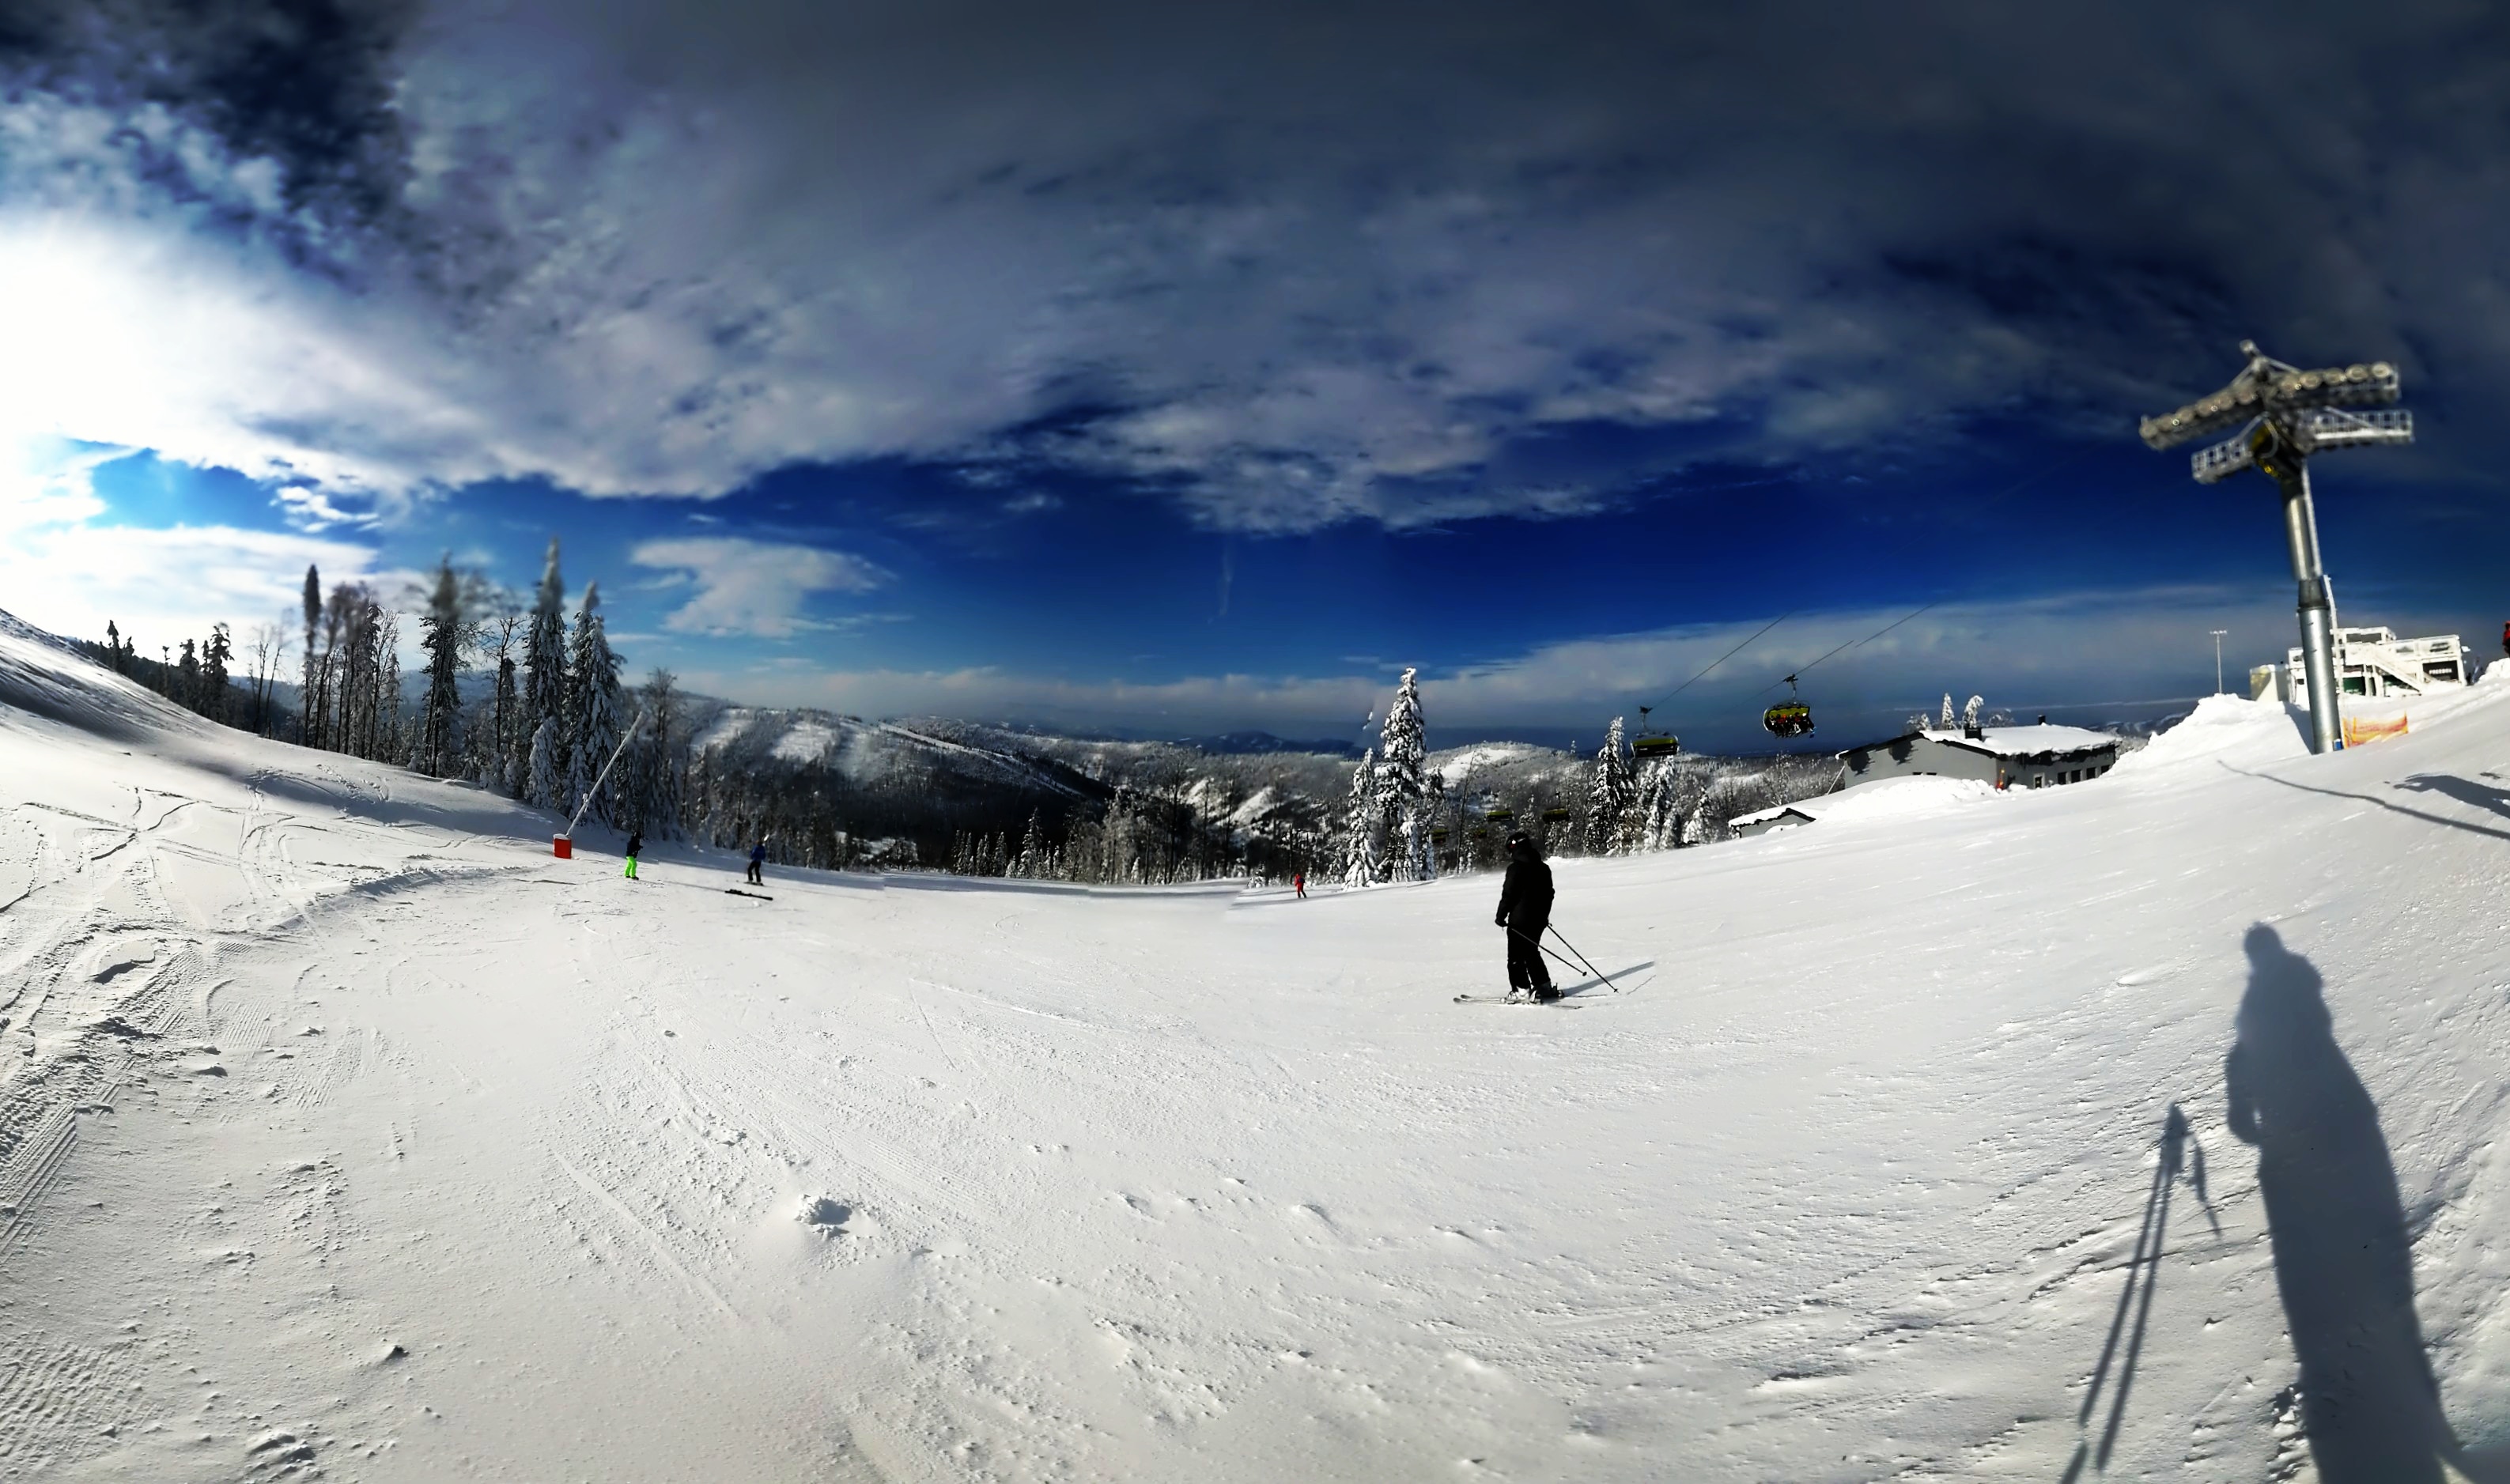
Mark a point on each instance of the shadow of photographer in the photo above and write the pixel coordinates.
(2343, 1262)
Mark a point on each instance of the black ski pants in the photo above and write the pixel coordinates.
(1525, 967)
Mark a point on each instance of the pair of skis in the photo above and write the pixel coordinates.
(1515, 998)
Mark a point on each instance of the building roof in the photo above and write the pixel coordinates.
(2009, 742)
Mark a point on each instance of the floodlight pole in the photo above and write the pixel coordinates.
(2217, 658)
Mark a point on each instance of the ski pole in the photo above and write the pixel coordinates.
(1581, 958)
(1547, 947)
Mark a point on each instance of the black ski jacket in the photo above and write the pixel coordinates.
(1525, 900)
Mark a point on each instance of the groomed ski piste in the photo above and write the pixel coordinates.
(345, 1133)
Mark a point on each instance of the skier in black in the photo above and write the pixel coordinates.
(1525, 911)
(635, 847)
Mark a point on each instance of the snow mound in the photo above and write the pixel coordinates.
(2221, 730)
(1896, 799)
(1905, 798)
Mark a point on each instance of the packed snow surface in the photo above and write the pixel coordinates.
(344, 1130)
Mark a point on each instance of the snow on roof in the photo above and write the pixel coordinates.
(2023, 742)
(2011, 741)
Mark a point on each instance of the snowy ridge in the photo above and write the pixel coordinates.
(343, 1129)
(861, 750)
(42, 675)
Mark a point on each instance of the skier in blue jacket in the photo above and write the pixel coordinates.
(758, 864)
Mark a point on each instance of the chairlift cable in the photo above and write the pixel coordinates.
(2024, 483)
(1728, 655)
(1855, 643)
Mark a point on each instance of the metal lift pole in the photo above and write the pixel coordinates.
(2317, 610)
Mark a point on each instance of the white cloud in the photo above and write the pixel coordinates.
(63, 569)
(643, 253)
(2107, 647)
(754, 588)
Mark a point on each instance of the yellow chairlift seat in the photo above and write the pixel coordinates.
(1790, 717)
(1661, 745)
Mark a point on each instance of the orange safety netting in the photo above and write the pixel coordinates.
(2356, 733)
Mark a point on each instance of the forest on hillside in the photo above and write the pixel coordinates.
(520, 695)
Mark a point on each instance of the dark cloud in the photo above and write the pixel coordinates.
(1297, 264)
(305, 85)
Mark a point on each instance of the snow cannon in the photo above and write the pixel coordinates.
(563, 846)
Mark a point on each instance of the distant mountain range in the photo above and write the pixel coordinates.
(1237, 742)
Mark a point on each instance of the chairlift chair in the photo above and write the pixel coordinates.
(1555, 814)
(1790, 717)
(1661, 745)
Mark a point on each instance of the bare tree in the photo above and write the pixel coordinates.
(269, 652)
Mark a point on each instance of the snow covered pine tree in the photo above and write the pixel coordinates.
(1403, 791)
(593, 674)
(442, 638)
(1610, 797)
(1362, 822)
(538, 769)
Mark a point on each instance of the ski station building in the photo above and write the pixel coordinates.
(2371, 662)
(2041, 756)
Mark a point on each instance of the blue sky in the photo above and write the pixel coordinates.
(1175, 372)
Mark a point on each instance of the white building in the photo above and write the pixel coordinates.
(2038, 756)
(2370, 662)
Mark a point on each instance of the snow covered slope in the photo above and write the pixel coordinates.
(342, 1129)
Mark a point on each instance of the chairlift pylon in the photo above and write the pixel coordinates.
(1790, 717)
